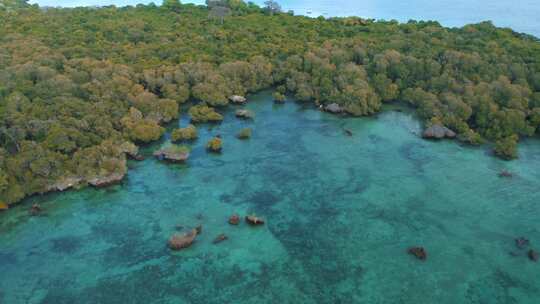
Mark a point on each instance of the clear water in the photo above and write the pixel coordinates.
(341, 212)
(520, 15)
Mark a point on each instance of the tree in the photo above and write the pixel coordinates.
(219, 12)
(507, 147)
(272, 7)
(172, 5)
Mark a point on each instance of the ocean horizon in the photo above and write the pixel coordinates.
(520, 15)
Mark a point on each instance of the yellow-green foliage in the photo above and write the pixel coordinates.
(279, 97)
(214, 144)
(244, 133)
(204, 113)
(175, 149)
(116, 74)
(187, 133)
(141, 129)
(507, 147)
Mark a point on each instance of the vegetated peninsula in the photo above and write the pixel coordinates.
(80, 86)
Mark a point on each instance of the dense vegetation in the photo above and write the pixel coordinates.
(76, 84)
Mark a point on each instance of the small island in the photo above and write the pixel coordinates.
(188, 133)
(173, 154)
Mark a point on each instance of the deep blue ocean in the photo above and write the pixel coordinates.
(520, 15)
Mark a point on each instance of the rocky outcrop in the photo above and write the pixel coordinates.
(130, 149)
(107, 180)
(220, 238)
(238, 99)
(419, 252)
(438, 131)
(111, 178)
(181, 241)
(245, 114)
(234, 219)
(254, 221)
(65, 183)
(172, 154)
(333, 108)
(3, 206)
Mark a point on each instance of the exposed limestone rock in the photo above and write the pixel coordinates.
(238, 99)
(107, 180)
(65, 183)
(173, 154)
(254, 221)
(245, 114)
(437, 131)
(333, 108)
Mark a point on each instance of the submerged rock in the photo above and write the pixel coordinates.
(419, 252)
(137, 157)
(174, 154)
(438, 131)
(348, 132)
(238, 99)
(254, 221)
(505, 173)
(533, 255)
(333, 108)
(234, 219)
(522, 242)
(244, 133)
(220, 238)
(35, 210)
(181, 241)
(245, 114)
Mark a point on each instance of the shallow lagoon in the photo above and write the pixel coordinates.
(341, 212)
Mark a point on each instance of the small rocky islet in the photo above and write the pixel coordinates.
(179, 241)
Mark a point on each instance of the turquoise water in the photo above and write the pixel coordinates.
(341, 212)
(520, 15)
